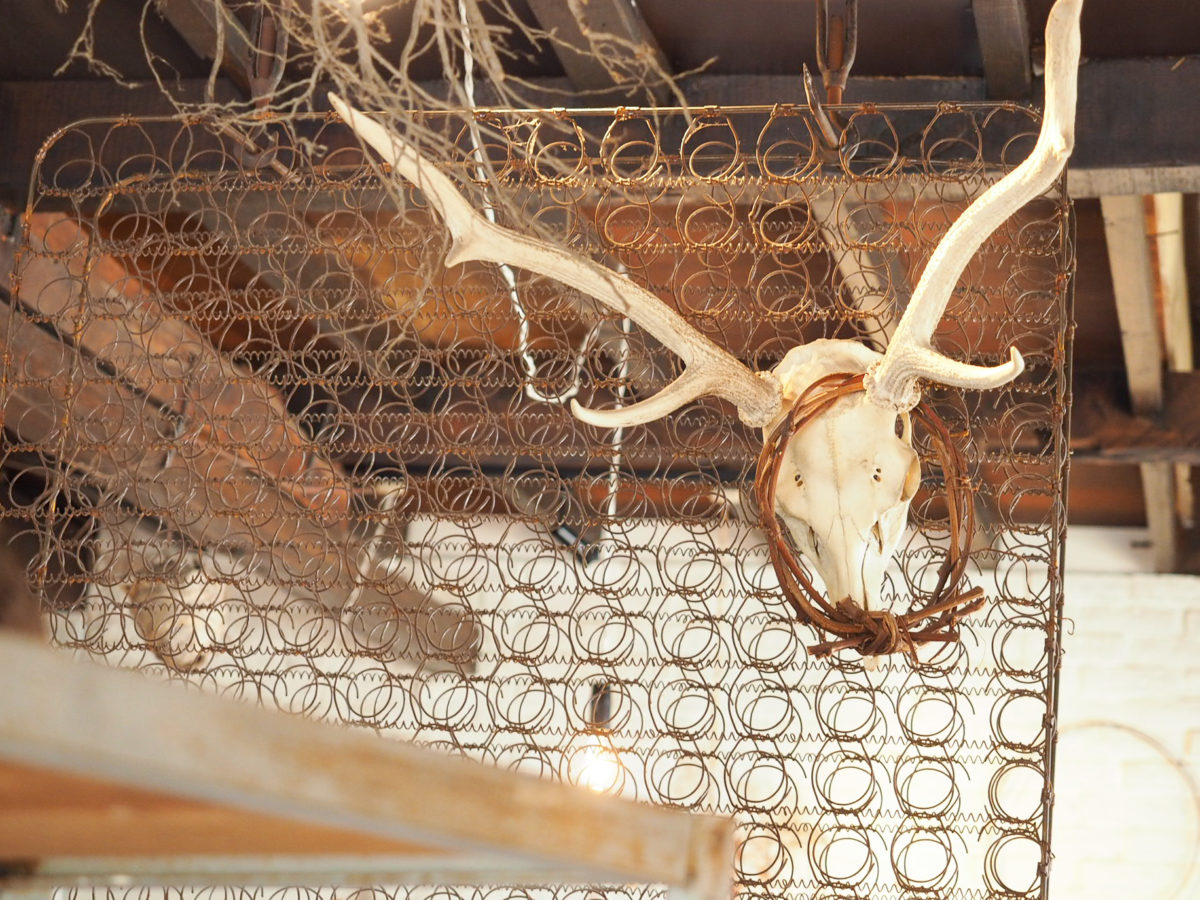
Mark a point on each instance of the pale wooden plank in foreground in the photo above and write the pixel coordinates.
(123, 727)
(45, 813)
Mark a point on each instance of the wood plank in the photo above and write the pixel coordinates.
(213, 32)
(115, 315)
(44, 813)
(1132, 265)
(868, 275)
(114, 440)
(60, 400)
(102, 723)
(606, 48)
(306, 268)
(1003, 28)
(1107, 181)
(1172, 295)
(1128, 119)
(1132, 268)
(1104, 429)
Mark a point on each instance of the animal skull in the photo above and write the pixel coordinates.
(848, 477)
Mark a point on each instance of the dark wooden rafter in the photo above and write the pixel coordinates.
(1167, 228)
(295, 274)
(1003, 29)
(1130, 138)
(606, 49)
(214, 32)
(1104, 429)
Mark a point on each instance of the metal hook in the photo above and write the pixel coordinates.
(837, 43)
(270, 56)
(828, 132)
(260, 146)
(834, 62)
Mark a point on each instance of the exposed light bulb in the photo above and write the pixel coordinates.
(597, 766)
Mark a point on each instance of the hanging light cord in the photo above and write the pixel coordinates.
(528, 363)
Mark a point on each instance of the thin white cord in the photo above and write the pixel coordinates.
(614, 471)
(489, 212)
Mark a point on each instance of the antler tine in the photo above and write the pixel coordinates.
(709, 370)
(909, 355)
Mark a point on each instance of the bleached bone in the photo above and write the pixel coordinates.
(709, 370)
(909, 355)
(848, 478)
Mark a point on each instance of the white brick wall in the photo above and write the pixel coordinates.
(1126, 819)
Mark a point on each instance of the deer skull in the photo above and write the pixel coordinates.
(848, 477)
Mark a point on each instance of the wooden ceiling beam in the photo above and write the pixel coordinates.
(606, 49)
(1132, 263)
(113, 425)
(1130, 138)
(868, 275)
(1105, 430)
(1172, 293)
(1003, 28)
(491, 825)
(296, 274)
(213, 32)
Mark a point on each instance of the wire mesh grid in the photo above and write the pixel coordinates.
(271, 445)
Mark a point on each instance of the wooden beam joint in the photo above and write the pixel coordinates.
(1105, 429)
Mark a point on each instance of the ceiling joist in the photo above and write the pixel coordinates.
(213, 32)
(606, 49)
(1003, 28)
(1133, 263)
(1105, 430)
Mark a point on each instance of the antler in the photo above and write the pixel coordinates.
(909, 356)
(709, 370)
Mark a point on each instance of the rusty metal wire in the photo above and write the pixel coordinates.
(269, 444)
(870, 632)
